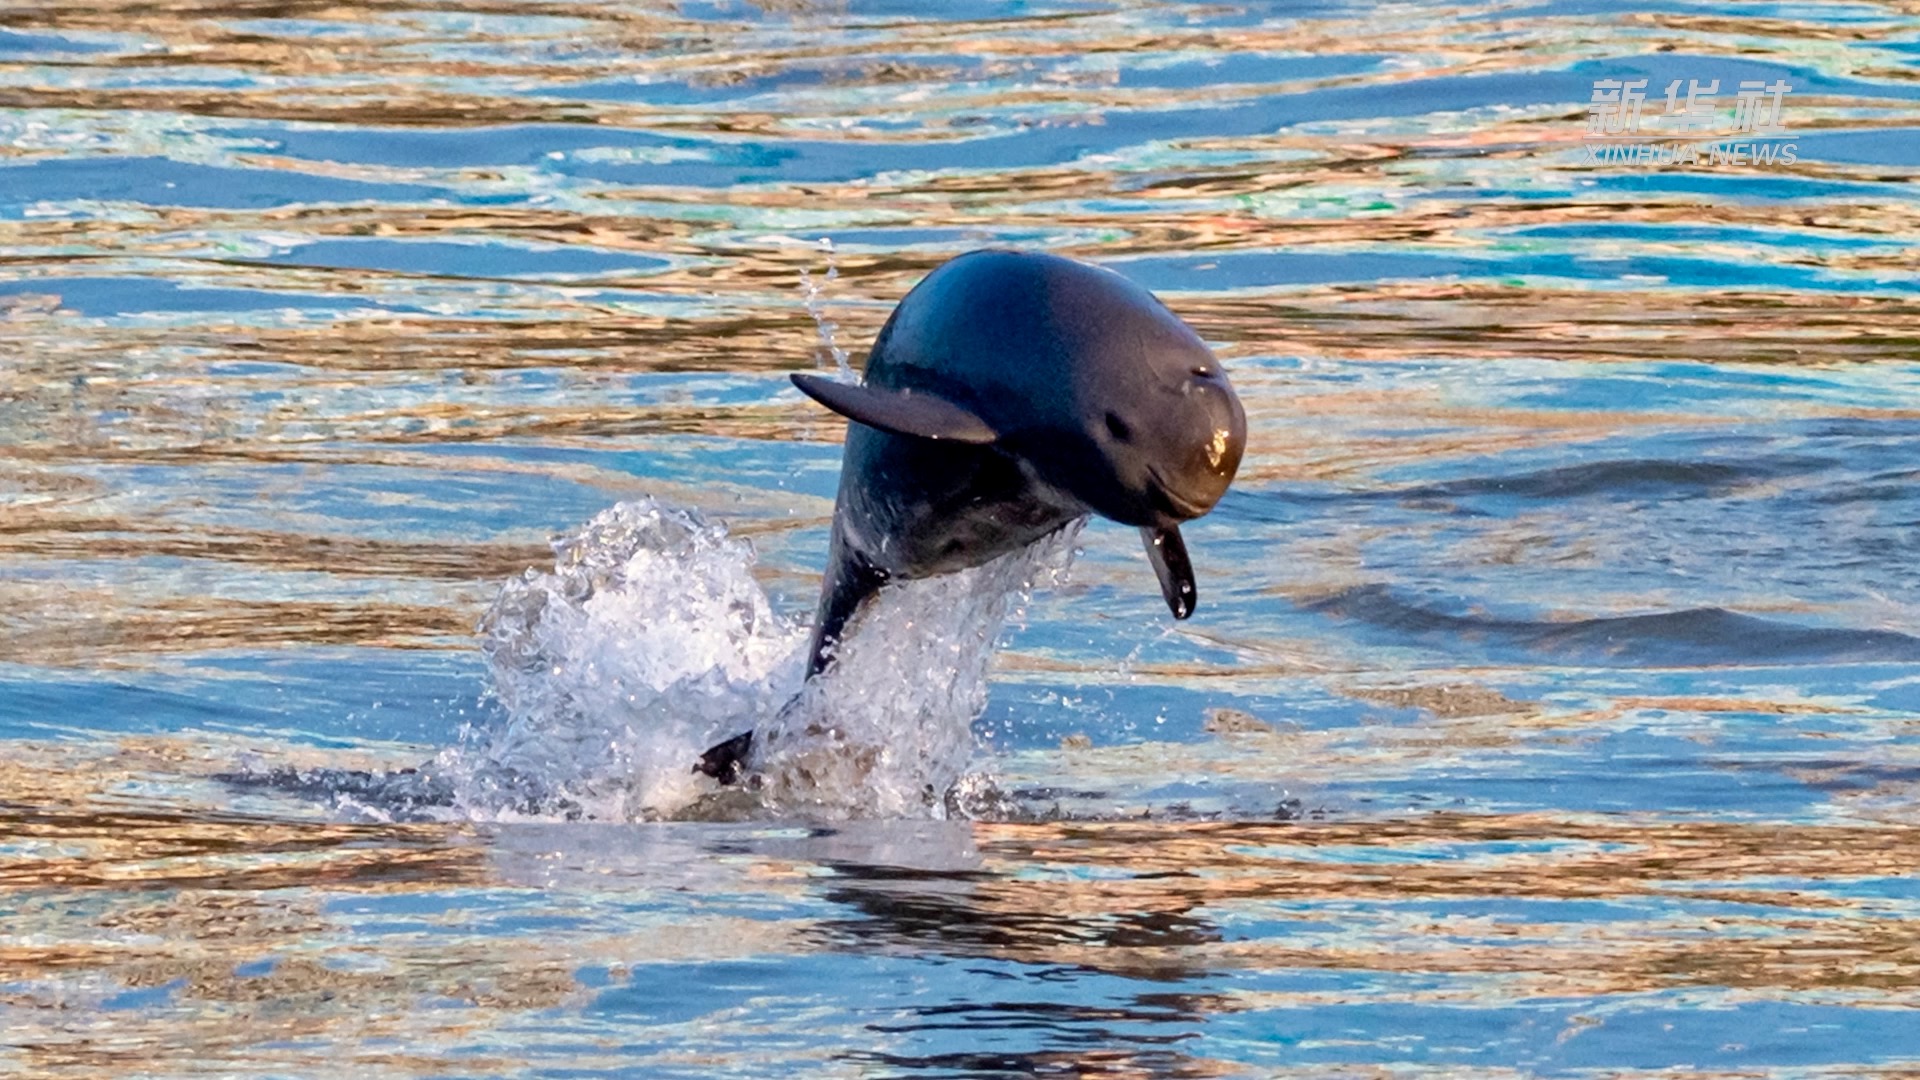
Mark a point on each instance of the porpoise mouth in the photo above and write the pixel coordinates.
(1181, 507)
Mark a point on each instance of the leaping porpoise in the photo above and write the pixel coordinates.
(1009, 394)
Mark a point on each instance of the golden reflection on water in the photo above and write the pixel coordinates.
(104, 898)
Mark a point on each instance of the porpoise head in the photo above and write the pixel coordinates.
(1107, 400)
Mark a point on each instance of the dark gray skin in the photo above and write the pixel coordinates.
(1008, 395)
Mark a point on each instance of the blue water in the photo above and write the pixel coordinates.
(1551, 704)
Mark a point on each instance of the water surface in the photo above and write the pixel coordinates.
(1550, 708)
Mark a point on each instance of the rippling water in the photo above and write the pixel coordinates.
(1550, 709)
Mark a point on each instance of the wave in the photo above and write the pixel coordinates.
(1694, 637)
(1657, 478)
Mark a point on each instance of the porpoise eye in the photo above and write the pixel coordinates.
(1118, 428)
(1203, 371)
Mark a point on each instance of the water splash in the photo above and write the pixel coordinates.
(651, 640)
(887, 731)
(648, 641)
(812, 292)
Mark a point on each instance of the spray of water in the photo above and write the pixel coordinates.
(812, 294)
(650, 640)
(887, 731)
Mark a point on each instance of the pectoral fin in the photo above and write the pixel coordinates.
(901, 412)
(1168, 554)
